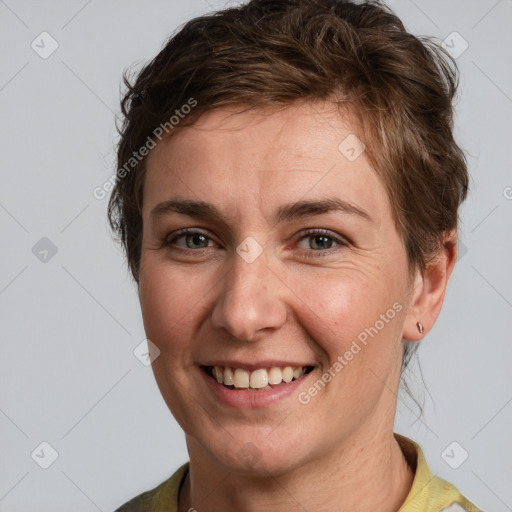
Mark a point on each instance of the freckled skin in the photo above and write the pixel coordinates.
(211, 303)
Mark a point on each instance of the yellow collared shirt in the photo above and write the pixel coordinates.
(428, 493)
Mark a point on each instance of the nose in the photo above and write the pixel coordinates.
(251, 299)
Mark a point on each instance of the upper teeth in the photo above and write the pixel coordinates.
(258, 379)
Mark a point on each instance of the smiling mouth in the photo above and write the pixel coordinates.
(262, 379)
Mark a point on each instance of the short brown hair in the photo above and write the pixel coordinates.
(270, 53)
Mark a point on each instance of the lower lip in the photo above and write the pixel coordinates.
(244, 399)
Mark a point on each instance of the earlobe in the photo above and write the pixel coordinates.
(429, 289)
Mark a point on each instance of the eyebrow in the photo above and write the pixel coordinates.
(286, 212)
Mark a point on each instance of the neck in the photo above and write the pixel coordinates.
(367, 474)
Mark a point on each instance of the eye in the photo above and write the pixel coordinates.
(193, 239)
(322, 240)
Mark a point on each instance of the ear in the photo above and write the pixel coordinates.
(428, 290)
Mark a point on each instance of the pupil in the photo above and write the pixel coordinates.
(197, 238)
(325, 240)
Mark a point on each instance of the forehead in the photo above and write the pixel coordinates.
(305, 150)
(302, 131)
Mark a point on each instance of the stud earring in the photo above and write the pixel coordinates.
(419, 325)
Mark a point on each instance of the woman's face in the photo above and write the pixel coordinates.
(272, 280)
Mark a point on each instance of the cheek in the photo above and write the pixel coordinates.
(354, 313)
(357, 326)
(170, 298)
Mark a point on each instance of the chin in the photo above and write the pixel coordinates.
(251, 455)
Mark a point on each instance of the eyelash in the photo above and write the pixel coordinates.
(304, 235)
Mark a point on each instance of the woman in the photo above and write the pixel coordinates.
(287, 197)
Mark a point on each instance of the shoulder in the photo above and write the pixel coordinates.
(141, 503)
(163, 496)
(429, 492)
(443, 493)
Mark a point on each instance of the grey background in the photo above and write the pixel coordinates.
(69, 324)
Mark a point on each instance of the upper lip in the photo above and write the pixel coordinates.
(255, 366)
